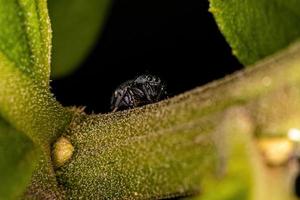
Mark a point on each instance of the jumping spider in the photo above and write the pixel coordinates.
(142, 90)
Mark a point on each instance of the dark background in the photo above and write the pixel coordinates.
(174, 39)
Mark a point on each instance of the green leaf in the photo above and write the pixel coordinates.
(17, 160)
(43, 182)
(29, 107)
(25, 100)
(25, 43)
(25, 37)
(76, 25)
(257, 28)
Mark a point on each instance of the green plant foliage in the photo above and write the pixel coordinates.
(17, 160)
(236, 173)
(25, 37)
(134, 161)
(43, 182)
(257, 28)
(76, 25)
(25, 43)
(177, 146)
(25, 100)
(173, 148)
(29, 107)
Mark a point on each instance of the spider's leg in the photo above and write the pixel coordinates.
(145, 89)
(161, 93)
(119, 99)
(138, 92)
(132, 99)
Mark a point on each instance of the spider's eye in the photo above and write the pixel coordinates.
(149, 78)
(156, 79)
(145, 77)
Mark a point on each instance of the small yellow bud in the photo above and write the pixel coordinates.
(276, 151)
(62, 151)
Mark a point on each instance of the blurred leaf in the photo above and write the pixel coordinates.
(17, 159)
(257, 28)
(76, 25)
(25, 37)
(236, 178)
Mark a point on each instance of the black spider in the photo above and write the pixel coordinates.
(140, 91)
